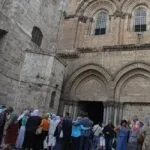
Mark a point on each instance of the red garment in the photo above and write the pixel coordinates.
(11, 134)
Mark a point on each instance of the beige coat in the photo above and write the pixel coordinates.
(146, 132)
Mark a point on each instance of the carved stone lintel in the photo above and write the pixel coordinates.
(68, 54)
(83, 19)
(87, 49)
(119, 13)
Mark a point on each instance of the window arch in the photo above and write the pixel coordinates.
(101, 23)
(53, 95)
(140, 20)
(37, 36)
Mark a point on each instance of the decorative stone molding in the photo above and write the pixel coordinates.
(68, 54)
(119, 13)
(89, 7)
(129, 47)
(88, 49)
(83, 19)
(128, 5)
(129, 68)
(38, 50)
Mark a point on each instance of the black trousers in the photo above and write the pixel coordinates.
(66, 144)
(75, 143)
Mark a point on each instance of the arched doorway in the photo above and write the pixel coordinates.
(94, 110)
(86, 91)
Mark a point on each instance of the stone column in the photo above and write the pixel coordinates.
(75, 112)
(107, 114)
(121, 112)
(65, 109)
(70, 109)
(116, 114)
(104, 115)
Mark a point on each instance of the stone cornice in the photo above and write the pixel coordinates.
(88, 49)
(83, 19)
(130, 47)
(136, 103)
(40, 51)
(68, 54)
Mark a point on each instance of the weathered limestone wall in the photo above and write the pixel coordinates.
(18, 69)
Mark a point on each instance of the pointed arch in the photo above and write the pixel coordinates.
(128, 72)
(129, 5)
(87, 71)
(90, 7)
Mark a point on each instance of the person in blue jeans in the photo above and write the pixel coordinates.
(109, 134)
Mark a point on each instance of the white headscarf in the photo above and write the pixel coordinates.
(23, 114)
(36, 112)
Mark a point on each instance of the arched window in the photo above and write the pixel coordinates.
(140, 20)
(2, 33)
(37, 36)
(101, 23)
(53, 95)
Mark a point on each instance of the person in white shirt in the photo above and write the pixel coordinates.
(97, 132)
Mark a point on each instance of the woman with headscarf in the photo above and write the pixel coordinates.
(11, 129)
(146, 133)
(54, 121)
(23, 117)
(31, 140)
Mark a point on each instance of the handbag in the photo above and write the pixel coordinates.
(38, 131)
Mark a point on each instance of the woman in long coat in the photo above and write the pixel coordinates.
(31, 140)
(11, 129)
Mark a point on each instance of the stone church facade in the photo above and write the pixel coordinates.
(106, 46)
(92, 56)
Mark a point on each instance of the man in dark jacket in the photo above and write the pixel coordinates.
(66, 128)
(109, 134)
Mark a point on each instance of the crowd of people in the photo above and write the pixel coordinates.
(36, 131)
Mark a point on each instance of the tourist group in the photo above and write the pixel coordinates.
(32, 130)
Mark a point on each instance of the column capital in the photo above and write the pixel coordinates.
(109, 103)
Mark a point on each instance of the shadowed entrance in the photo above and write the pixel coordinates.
(94, 109)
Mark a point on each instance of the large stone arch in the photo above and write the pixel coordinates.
(82, 76)
(128, 73)
(89, 7)
(128, 5)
